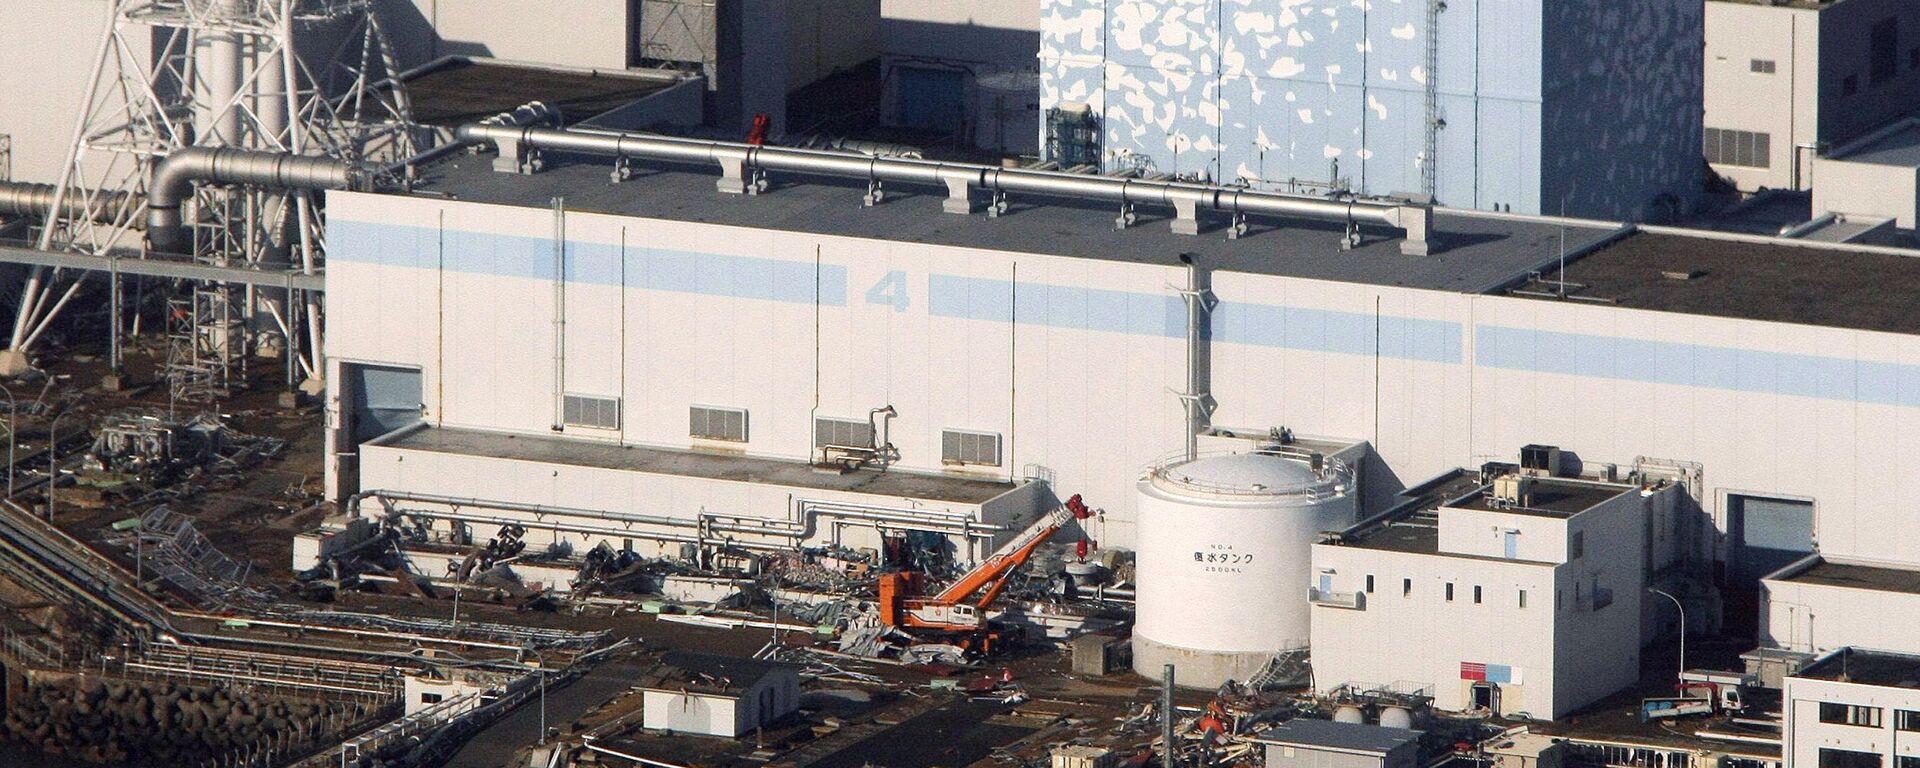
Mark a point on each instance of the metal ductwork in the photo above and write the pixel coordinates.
(19, 198)
(173, 182)
(743, 165)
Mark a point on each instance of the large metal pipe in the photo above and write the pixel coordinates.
(173, 182)
(18, 198)
(740, 163)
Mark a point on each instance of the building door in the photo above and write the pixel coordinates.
(1766, 534)
(932, 99)
(1326, 585)
(1486, 696)
(375, 400)
(1510, 541)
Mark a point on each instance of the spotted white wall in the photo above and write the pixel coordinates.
(1271, 91)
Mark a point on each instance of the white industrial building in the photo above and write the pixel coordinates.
(659, 358)
(967, 69)
(1789, 80)
(1853, 708)
(1525, 595)
(1823, 603)
(715, 695)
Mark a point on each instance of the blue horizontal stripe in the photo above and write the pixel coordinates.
(1057, 306)
(659, 269)
(1696, 365)
(1347, 333)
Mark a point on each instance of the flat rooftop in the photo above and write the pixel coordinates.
(1549, 497)
(458, 89)
(712, 466)
(1857, 665)
(710, 673)
(1898, 147)
(1473, 252)
(1873, 577)
(1777, 281)
(1351, 737)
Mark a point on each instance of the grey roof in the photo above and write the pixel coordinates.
(713, 673)
(1867, 667)
(1826, 572)
(1354, 737)
(458, 89)
(713, 466)
(1774, 280)
(1897, 147)
(1474, 252)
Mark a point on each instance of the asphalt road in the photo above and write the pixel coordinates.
(495, 747)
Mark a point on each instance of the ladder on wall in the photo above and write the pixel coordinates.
(1430, 156)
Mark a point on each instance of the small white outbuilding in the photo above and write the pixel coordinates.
(717, 695)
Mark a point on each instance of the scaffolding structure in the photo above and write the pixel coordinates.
(303, 77)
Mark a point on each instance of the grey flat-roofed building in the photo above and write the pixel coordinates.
(1327, 744)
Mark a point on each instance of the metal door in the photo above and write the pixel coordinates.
(1511, 541)
(381, 399)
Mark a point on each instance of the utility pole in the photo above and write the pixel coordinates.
(1166, 716)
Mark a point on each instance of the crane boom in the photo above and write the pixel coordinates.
(1008, 557)
(950, 610)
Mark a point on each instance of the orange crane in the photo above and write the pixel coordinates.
(953, 610)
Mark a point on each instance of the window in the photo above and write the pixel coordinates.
(1449, 591)
(1847, 758)
(711, 423)
(1369, 583)
(1724, 146)
(1577, 545)
(591, 411)
(1761, 66)
(1850, 86)
(1523, 598)
(1906, 761)
(961, 447)
(1406, 587)
(430, 698)
(1883, 51)
(1476, 594)
(1906, 720)
(850, 433)
(1835, 713)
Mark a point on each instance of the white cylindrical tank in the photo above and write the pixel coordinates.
(1223, 564)
(1349, 713)
(1006, 110)
(1396, 717)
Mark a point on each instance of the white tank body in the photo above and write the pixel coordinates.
(1224, 560)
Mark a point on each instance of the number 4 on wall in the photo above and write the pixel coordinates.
(890, 290)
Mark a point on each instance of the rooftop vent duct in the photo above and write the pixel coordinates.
(743, 167)
(173, 182)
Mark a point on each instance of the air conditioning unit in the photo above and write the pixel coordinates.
(1512, 490)
(1540, 460)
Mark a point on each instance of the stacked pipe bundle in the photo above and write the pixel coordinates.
(161, 723)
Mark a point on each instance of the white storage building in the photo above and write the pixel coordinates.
(715, 695)
(1515, 602)
(659, 314)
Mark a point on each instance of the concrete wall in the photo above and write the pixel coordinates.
(1783, 104)
(638, 493)
(580, 33)
(1565, 650)
(1074, 369)
(1226, 89)
(1805, 735)
(1368, 645)
(47, 52)
(1620, 112)
(998, 33)
(1845, 50)
(1818, 618)
(1868, 189)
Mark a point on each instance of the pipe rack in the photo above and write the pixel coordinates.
(743, 168)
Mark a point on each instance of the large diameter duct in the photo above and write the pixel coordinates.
(173, 182)
(739, 162)
(24, 199)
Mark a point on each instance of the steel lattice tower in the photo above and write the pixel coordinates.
(309, 77)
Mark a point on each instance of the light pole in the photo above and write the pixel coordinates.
(53, 461)
(13, 413)
(1683, 627)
